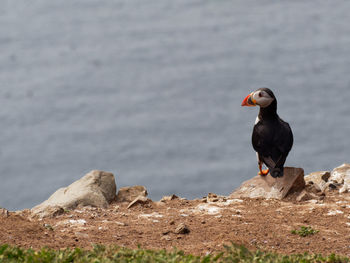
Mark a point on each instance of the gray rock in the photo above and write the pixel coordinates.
(341, 176)
(97, 189)
(272, 188)
(331, 187)
(130, 193)
(318, 179)
(339, 173)
(345, 188)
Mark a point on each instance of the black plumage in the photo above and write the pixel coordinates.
(272, 138)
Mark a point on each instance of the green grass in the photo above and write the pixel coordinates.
(304, 231)
(103, 254)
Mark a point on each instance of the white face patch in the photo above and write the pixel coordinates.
(262, 98)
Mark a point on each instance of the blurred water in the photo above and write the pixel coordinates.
(151, 91)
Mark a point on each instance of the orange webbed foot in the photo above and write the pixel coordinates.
(264, 172)
(261, 171)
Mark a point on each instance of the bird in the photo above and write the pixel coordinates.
(272, 137)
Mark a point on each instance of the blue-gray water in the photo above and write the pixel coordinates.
(151, 91)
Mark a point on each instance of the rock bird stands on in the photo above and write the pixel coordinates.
(272, 137)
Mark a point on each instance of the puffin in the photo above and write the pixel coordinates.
(272, 137)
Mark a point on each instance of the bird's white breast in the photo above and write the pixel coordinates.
(257, 119)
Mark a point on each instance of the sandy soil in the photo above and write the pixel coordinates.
(255, 223)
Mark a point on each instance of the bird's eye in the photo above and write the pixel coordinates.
(260, 94)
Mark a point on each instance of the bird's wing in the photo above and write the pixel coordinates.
(284, 138)
(262, 139)
(272, 146)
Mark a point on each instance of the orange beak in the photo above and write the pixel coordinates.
(249, 101)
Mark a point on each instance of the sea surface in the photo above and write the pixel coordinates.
(152, 91)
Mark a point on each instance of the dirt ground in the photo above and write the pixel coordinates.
(255, 223)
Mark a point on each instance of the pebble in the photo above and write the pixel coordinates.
(166, 232)
(48, 226)
(121, 223)
(182, 229)
(4, 212)
(166, 238)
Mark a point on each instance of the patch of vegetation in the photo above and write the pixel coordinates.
(103, 254)
(304, 231)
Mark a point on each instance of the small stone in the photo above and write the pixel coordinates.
(138, 200)
(344, 189)
(169, 198)
(318, 179)
(212, 198)
(182, 229)
(332, 186)
(317, 188)
(166, 232)
(48, 226)
(81, 235)
(329, 187)
(166, 238)
(303, 196)
(159, 203)
(121, 223)
(222, 199)
(316, 176)
(4, 212)
(253, 241)
(128, 194)
(172, 222)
